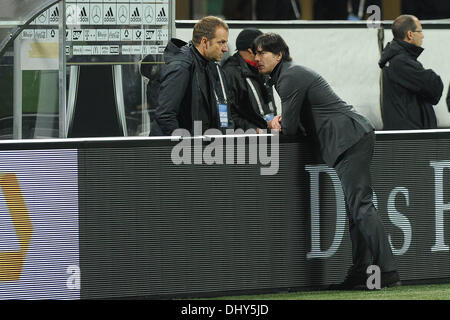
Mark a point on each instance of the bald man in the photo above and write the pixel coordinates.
(409, 90)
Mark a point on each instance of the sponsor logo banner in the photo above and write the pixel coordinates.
(39, 250)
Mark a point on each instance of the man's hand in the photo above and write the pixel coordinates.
(275, 123)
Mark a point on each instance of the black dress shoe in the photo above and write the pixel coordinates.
(350, 283)
(355, 280)
(390, 279)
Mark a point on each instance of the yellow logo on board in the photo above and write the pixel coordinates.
(11, 262)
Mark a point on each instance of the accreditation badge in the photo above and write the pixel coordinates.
(269, 117)
(223, 115)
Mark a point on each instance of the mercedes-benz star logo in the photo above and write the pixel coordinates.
(123, 13)
(96, 15)
(149, 15)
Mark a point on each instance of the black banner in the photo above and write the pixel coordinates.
(151, 228)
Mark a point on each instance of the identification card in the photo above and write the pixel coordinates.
(223, 115)
(269, 117)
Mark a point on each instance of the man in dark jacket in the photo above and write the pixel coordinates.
(409, 90)
(192, 84)
(346, 142)
(253, 107)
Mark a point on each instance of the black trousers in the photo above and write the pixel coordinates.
(370, 245)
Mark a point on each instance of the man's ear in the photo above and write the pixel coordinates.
(279, 57)
(204, 41)
(409, 35)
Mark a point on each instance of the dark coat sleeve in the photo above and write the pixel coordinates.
(239, 122)
(292, 97)
(175, 78)
(233, 85)
(425, 82)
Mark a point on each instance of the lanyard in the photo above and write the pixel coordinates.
(223, 87)
(258, 101)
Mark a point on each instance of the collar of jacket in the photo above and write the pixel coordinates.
(412, 49)
(176, 49)
(252, 64)
(201, 59)
(275, 73)
(204, 72)
(246, 69)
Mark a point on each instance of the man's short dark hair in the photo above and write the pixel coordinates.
(402, 25)
(207, 27)
(246, 37)
(272, 42)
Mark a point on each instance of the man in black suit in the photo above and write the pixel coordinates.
(346, 141)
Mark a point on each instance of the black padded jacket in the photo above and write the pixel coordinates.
(409, 90)
(186, 92)
(252, 99)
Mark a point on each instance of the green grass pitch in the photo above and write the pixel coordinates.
(416, 292)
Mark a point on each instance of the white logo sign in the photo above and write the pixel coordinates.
(96, 14)
(122, 13)
(162, 14)
(136, 14)
(54, 15)
(109, 14)
(71, 17)
(149, 14)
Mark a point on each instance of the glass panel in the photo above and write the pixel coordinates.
(21, 10)
(106, 42)
(15, 13)
(6, 95)
(113, 38)
(37, 49)
(29, 90)
(40, 104)
(149, 69)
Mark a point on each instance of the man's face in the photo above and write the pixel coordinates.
(250, 55)
(217, 46)
(267, 61)
(417, 35)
